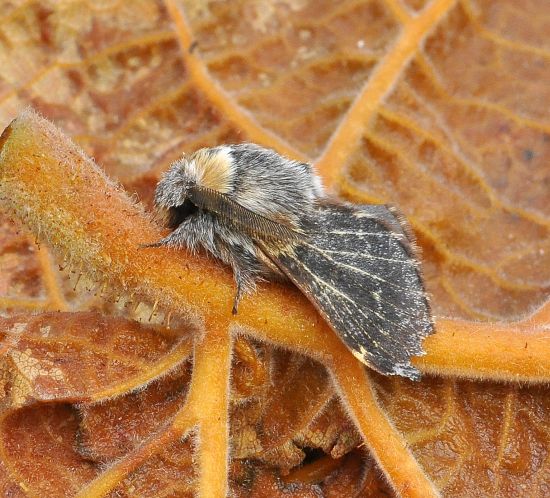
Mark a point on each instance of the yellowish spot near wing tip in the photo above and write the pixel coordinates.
(360, 354)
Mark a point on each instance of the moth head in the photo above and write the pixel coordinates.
(171, 195)
(211, 168)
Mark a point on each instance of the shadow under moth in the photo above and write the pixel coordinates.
(268, 218)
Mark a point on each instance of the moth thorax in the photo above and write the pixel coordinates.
(213, 169)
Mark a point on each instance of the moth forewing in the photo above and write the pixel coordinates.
(356, 268)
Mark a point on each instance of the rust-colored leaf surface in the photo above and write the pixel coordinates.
(122, 370)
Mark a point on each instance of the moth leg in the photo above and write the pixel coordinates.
(170, 240)
(238, 296)
(245, 278)
(183, 236)
(246, 269)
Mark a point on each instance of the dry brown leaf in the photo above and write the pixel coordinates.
(437, 106)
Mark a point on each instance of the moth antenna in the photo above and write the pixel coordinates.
(250, 222)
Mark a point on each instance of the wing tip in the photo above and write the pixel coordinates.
(406, 370)
(401, 369)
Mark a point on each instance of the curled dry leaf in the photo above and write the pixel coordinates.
(436, 106)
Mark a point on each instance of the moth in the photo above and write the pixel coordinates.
(268, 217)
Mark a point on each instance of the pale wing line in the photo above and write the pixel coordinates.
(402, 310)
(378, 346)
(409, 261)
(368, 256)
(397, 236)
(347, 298)
(357, 326)
(334, 309)
(375, 277)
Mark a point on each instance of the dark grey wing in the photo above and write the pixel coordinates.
(358, 268)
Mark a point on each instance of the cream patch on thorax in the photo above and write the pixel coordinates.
(214, 169)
